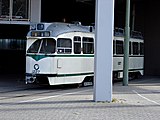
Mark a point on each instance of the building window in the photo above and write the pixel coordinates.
(12, 44)
(4, 9)
(14, 10)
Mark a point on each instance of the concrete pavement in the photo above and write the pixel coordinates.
(140, 100)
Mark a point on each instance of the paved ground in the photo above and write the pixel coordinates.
(138, 101)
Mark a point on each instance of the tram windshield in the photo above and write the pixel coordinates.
(45, 45)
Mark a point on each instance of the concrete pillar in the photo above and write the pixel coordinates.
(10, 9)
(126, 45)
(35, 14)
(103, 50)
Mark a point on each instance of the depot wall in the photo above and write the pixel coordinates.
(152, 39)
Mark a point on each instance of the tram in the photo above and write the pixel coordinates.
(136, 54)
(60, 53)
(63, 53)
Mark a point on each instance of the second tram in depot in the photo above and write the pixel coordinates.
(62, 53)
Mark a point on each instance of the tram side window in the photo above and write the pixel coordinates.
(141, 48)
(114, 42)
(48, 46)
(77, 45)
(135, 48)
(64, 45)
(34, 47)
(88, 45)
(130, 48)
(119, 47)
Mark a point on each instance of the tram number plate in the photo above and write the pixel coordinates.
(88, 83)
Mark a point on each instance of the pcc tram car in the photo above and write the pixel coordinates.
(63, 53)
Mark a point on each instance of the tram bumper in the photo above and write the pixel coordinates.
(30, 79)
(41, 79)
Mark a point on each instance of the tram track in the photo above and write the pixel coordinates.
(18, 93)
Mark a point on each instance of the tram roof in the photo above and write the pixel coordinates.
(58, 28)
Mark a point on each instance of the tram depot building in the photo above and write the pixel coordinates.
(17, 15)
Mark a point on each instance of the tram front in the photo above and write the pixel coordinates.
(39, 57)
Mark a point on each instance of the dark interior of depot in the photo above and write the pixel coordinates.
(12, 61)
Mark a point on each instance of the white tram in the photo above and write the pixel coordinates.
(60, 53)
(63, 53)
(136, 54)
